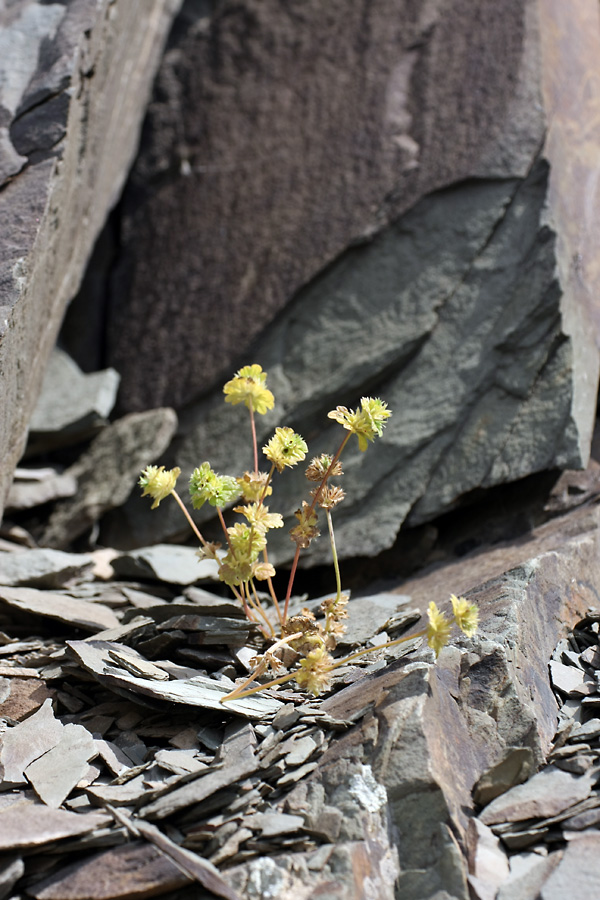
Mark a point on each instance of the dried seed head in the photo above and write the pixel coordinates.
(319, 466)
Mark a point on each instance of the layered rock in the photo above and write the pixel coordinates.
(394, 202)
(74, 84)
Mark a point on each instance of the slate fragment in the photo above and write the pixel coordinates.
(108, 472)
(197, 691)
(578, 873)
(514, 767)
(54, 775)
(71, 405)
(69, 610)
(23, 697)
(33, 487)
(136, 870)
(171, 563)
(42, 568)
(27, 824)
(26, 741)
(548, 793)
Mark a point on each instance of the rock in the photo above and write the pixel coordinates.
(135, 870)
(446, 274)
(514, 766)
(549, 792)
(578, 871)
(165, 562)
(33, 487)
(54, 775)
(73, 101)
(42, 568)
(71, 406)
(108, 471)
(27, 741)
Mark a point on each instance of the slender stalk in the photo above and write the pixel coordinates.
(272, 590)
(254, 441)
(224, 527)
(312, 506)
(189, 518)
(233, 695)
(340, 662)
(261, 611)
(336, 565)
(265, 488)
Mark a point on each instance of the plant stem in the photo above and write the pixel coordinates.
(254, 441)
(257, 605)
(189, 518)
(336, 565)
(312, 506)
(272, 590)
(224, 527)
(340, 662)
(233, 695)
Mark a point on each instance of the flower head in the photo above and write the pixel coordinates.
(259, 516)
(466, 615)
(366, 423)
(438, 632)
(314, 672)
(249, 386)
(319, 467)
(205, 485)
(329, 496)
(158, 482)
(254, 486)
(286, 448)
(306, 529)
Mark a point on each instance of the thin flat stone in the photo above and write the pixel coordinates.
(33, 824)
(489, 867)
(237, 753)
(585, 732)
(546, 794)
(26, 492)
(273, 824)
(179, 762)
(198, 691)
(24, 697)
(54, 775)
(134, 870)
(11, 870)
(113, 756)
(526, 884)
(27, 741)
(514, 767)
(69, 610)
(298, 751)
(42, 567)
(171, 563)
(566, 678)
(592, 656)
(578, 873)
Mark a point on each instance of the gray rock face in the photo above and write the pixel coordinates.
(427, 256)
(74, 82)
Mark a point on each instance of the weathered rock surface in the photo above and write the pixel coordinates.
(429, 255)
(74, 83)
(108, 471)
(72, 405)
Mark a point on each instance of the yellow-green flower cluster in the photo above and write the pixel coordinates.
(286, 448)
(205, 485)
(254, 486)
(466, 616)
(239, 564)
(259, 517)
(366, 423)
(249, 386)
(314, 674)
(158, 482)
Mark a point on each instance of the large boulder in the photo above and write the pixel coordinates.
(74, 83)
(396, 200)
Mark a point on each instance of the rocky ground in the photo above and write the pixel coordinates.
(124, 775)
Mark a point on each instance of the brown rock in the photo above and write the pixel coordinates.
(136, 870)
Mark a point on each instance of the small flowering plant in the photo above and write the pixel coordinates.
(243, 559)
